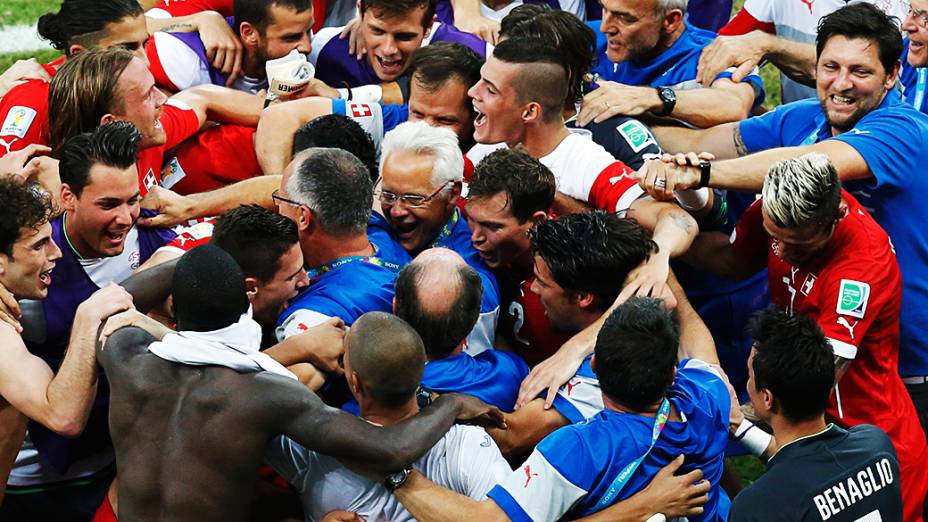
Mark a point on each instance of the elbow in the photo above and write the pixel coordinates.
(66, 427)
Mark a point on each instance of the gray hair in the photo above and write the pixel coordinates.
(803, 191)
(336, 186)
(666, 5)
(421, 138)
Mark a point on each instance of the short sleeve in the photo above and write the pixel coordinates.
(480, 464)
(581, 397)
(891, 145)
(614, 189)
(300, 321)
(537, 490)
(762, 132)
(189, 237)
(628, 139)
(289, 459)
(179, 122)
(368, 115)
(851, 301)
(24, 116)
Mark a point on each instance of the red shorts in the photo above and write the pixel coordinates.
(105, 512)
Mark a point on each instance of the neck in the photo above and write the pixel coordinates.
(378, 414)
(74, 240)
(649, 411)
(251, 67)
(457, 350)
(324, 249)
(666, 42)
(787, 431)
(542, 140)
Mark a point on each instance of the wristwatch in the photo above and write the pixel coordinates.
(669, 99)
(395, 480)
(705, 170)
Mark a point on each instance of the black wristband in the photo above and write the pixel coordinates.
(705, 170)
(348, 87)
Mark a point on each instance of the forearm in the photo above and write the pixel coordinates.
(274, 135)
(674, 232)
(177, 24)
(222, 104)
(150, 288)
(465, 8)
(71, 392)
(795, 59)
(428, 502)
(713, 252)
(746, 174)
(255, 191)
(695, 338)
(407, 441)
(718, 141)
(12, 432)
(288, 352)
(638, 507)
(713, 106)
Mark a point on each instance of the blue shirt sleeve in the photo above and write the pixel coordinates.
(762, 132)
(393, 115)
(890, 142)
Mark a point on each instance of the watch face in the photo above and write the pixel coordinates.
(668, 96)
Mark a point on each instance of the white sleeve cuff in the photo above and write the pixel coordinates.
(843, 349)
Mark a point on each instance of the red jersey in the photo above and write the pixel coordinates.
(224, 7)
(179, 122)
(191, 236)
(214, 158)
(24, 113)
(523, 322)
(853, 289)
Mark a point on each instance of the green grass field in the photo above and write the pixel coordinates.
(15, 12)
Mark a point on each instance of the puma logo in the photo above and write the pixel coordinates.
(528, 474)
(850, 327)
(7, 144)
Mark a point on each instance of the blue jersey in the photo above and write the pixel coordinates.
(336, 66)
(891, 140)
(914, 81)
(572, 468)
(675, 67)
(347, 287)
(493, 376)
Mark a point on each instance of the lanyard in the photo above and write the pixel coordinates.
(446, 230)
(920, 88)
(622, 478)
(316, 273)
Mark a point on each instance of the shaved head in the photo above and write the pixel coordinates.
(388, 356)
(439, 295)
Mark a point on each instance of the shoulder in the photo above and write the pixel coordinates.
(123, 344)
(321, 41)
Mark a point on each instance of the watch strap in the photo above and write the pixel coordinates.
(705, 170)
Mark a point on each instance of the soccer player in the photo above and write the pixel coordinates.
(329, 195)
(820, 471)
(80, 25)
(100, 246)
(654, 410)
(827, 258)
(384, 362)
(265, 30)
(864, 128)
(230, 379)
(422, 173)
(438, 294)
(647, 64)
(58, 399)
(392, 30)
(782, 33)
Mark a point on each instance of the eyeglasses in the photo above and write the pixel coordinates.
(410, 200)
(920, 17)
(277, 197)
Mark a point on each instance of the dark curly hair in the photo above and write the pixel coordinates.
(24, 206)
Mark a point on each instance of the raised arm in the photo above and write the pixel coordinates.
(747, 51)
(713, 252)
(174, 209)
(274, 137)
(149, 288)
(60, 402)
(223, 48)
(215, 103)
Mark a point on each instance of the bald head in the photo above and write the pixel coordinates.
(388, 356)
(439, 295)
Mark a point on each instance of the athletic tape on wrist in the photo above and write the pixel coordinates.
(693, 199)
(752, 438)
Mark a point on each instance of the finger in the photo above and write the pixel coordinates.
(742, 71)
(626, 292)
(696, 510)
(549, 398)
(708, 156)
(692, 159)
(672, 468)
(702, 487)
(220, 62)
(237, 61)
(610, 111)
(6, 318)
(680, 159)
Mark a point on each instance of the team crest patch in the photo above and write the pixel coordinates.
(360, 110)
(172, 173)
(18, 121)
(636, 135)
(852, 298)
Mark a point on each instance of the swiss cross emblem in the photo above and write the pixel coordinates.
(302, 327)
(361, 110)
(150, 180)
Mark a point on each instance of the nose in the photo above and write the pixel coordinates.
(302, 280)
(606, 24)
(124, 214)
(535, 288)
(52, 251)
(306, 43)
(477, 236)
(398, 210)
(389, 47)
(842, 81)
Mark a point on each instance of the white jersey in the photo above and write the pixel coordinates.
(798, 20)
(583, 170)
(465, 460)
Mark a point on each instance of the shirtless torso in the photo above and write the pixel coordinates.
(189, 439)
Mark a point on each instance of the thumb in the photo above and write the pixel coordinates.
(674, 465)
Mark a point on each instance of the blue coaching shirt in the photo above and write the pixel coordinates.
(913, 80)
(675, 67)
(891, 139)
(493, 376)
(572, 468)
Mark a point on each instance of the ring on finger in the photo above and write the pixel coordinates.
(660, 183)
(605, 104)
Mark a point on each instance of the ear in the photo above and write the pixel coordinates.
(593, 364)
(531, 112)
(68, 198)
(454, 195)
(307, 222)
(251, 287)
(354, 384)
(892, 76)
(108, 118)
(74, 49)
(250, 35)
(672, 21)
(585, 300)
(538, 217)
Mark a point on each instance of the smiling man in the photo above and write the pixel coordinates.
(873, 138)
(392, 31)
(914, 74)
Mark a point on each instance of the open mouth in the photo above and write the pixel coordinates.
(115, 238)
(391, 67)
(46, 277)
(481, 119)
(915, 45)
(841, 101)
(406, 230)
